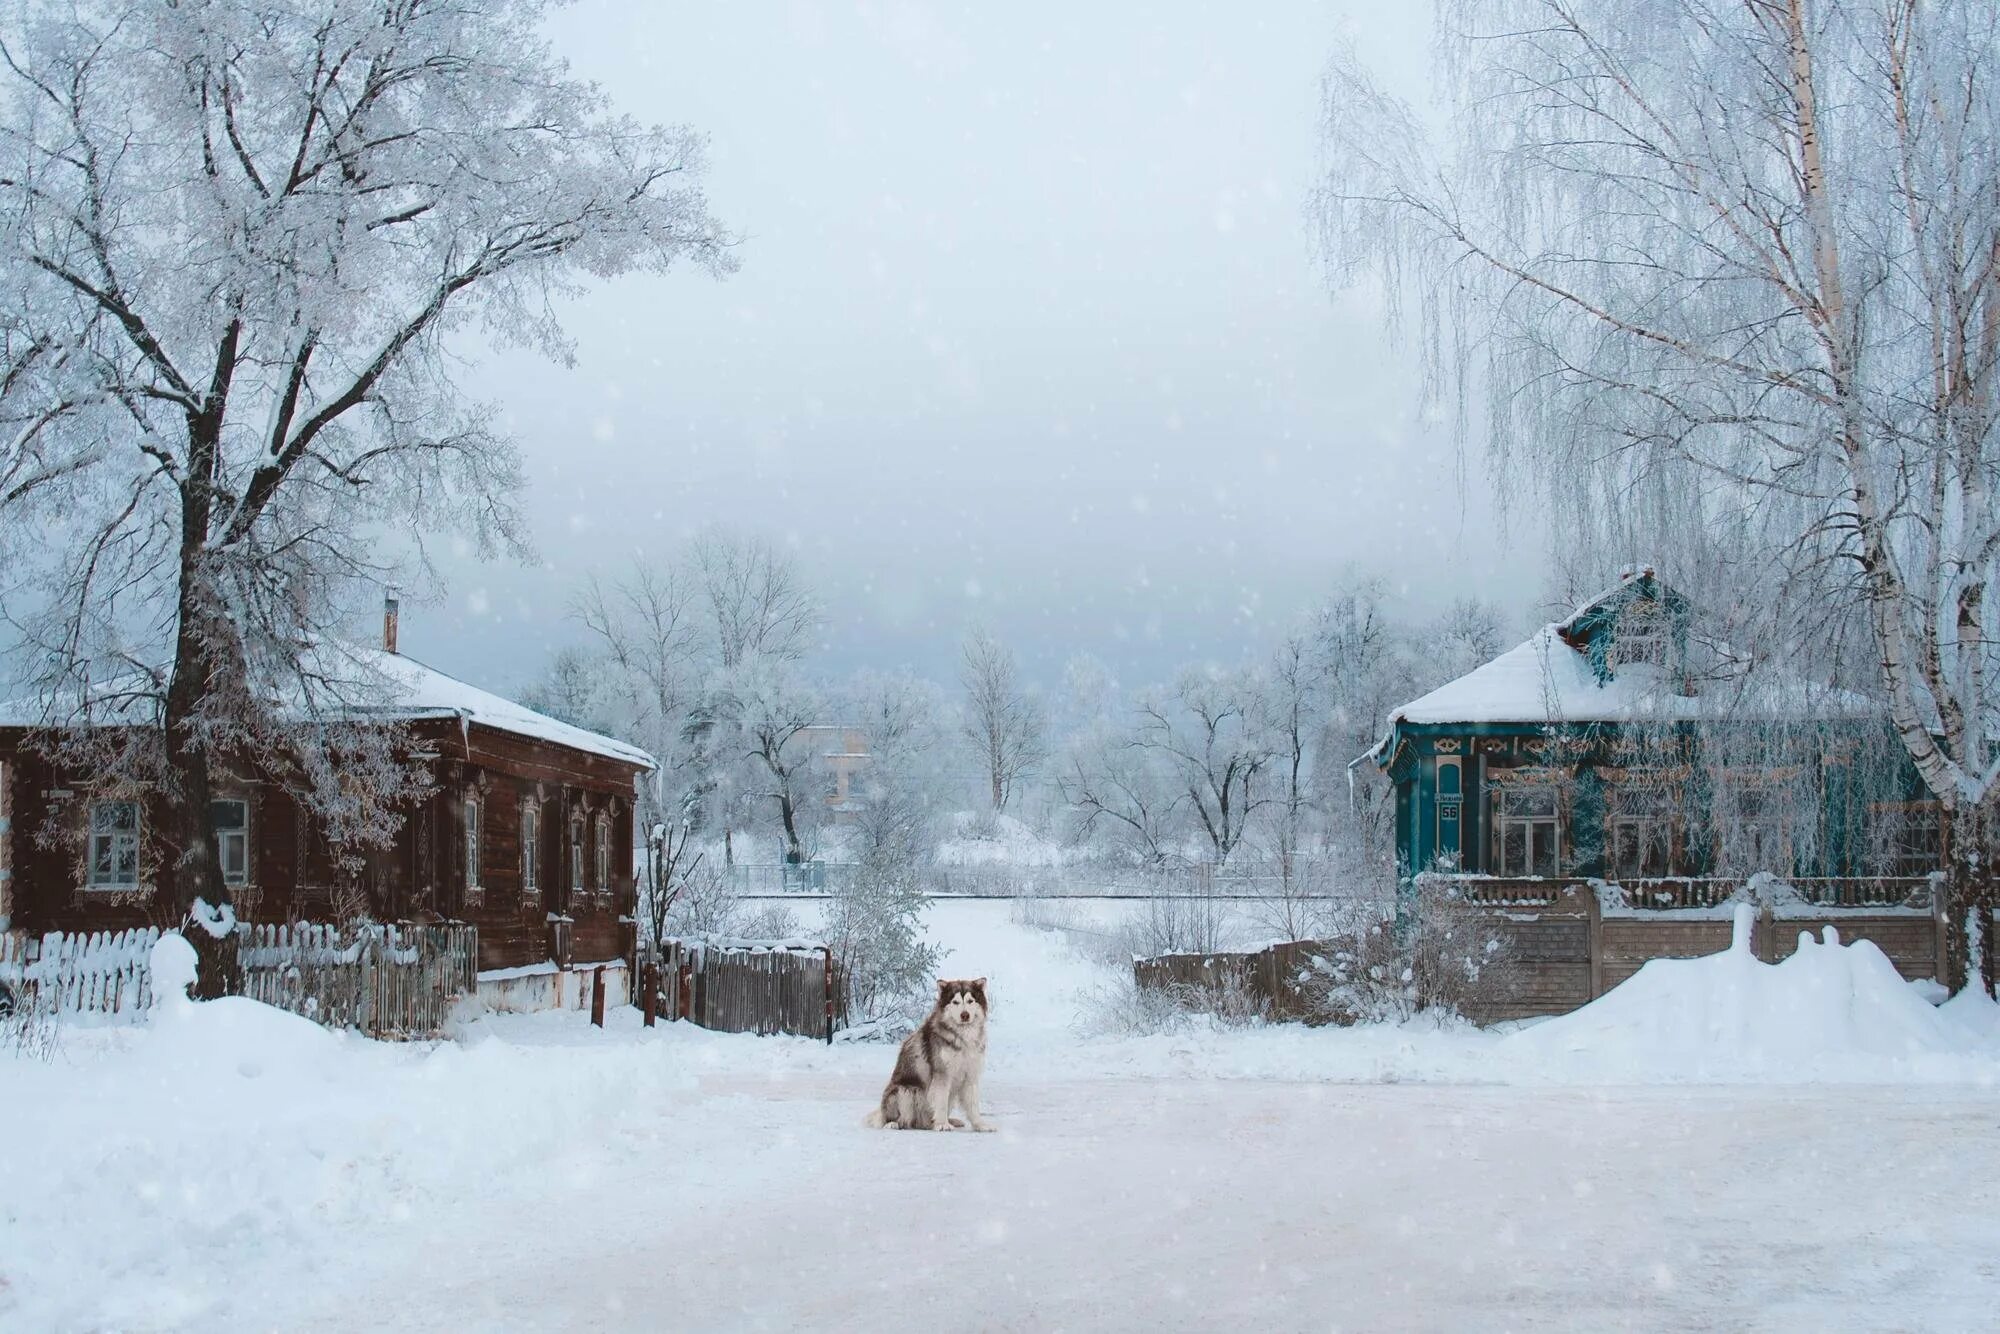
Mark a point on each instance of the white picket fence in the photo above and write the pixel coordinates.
(102, 973)
(386, 981)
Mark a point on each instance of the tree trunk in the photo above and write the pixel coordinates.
(794, 850)
(196, 866)
(1970, 893)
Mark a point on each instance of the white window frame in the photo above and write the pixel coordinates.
(576, 852)
(1625, 826)
(114, 839)
(1640, 635)
(1892, 849)
(601, 853)
(531, 846)
(470, 821)
(1529, 822)
(238, 836)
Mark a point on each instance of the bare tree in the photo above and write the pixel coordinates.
(1208, 729)
(1293, 709)
(238, 238)
(758, 602)
(1748, 250)
(1467, 634)
(1122, 791)
(771, 708)
(1004, 722)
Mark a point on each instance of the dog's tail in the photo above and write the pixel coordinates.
(875, 1120)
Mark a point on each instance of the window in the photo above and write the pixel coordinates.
(531, 846)
(1908, 837)
(471, 842)
(1526, 834)
(603, 833)
(1640, 636)
(114, 844)
(1641, 832)
(231, 820)
(1755, 834)
(576, 854)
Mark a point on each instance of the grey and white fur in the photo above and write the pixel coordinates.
(939, 1065)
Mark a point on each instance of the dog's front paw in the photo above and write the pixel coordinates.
(984, 1127)
(944, 1126)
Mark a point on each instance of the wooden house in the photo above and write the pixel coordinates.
(527, 834)
(1620, 745)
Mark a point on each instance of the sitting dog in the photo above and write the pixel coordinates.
(939, 1065)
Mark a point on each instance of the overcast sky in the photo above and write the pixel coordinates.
(1027, 331)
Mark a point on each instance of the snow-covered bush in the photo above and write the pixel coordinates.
(1381, 974)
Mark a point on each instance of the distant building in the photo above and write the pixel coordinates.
(843, 750)
(1616, 745)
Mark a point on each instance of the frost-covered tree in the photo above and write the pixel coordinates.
(1210, 732)
(680, 644)
(874, 915)
(1751, 250)
(1123, 793)
(1003, 721)
(769, 707)
(239, 237)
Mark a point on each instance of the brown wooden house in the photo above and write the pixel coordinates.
(527, 835)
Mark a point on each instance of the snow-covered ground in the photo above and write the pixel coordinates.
(232, 1168)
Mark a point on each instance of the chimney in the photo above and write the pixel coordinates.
(389, 607)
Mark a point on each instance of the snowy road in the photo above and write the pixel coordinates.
(228, 1167)
(1145, 1204)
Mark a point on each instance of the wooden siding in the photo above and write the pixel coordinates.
(418, 879)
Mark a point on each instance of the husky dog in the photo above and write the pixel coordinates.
(939, 1065)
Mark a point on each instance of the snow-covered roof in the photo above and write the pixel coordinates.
(415, 690)
(1547, 680)
(383, 685)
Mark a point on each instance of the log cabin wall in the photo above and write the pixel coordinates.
(295, 875)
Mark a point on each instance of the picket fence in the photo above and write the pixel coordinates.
(385, 981)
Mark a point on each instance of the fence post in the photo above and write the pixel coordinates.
(1594, 906)
(597, 996)
(1938, 928)
(826, 952)
(650, 980)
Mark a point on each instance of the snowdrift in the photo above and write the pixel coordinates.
(1832, 1011)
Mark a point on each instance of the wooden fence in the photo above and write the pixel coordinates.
(386, 981)
(762, 987)
(1550, 946)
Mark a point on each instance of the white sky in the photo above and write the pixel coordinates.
(1027, 331)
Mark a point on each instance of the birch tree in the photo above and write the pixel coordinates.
(242, 239)
(1749, 248)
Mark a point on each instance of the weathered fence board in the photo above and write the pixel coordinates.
(749, 986)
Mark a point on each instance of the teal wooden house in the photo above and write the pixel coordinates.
(1619, 745)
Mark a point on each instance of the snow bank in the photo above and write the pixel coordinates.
(1832, 1011)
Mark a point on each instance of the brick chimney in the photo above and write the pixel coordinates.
(389, 609)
